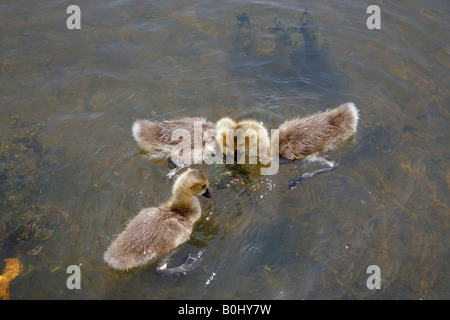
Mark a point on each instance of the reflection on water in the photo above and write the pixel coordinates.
(72, 176)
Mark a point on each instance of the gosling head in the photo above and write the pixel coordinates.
(252, 136)
(223, 139)
(192, 182)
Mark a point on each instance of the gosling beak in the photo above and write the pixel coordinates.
(207, 194)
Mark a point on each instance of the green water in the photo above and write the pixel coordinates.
(71, 175)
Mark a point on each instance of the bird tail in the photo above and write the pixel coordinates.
(346, 116)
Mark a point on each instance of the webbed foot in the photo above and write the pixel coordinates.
(189, 264)
(295, 183)
(298, 181)
(170, 176)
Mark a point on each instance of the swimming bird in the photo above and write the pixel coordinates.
(317, 133)
(162, 139)
(225, 127)
(301, 138)
(156, 232)
(183, 141)
(253, 137)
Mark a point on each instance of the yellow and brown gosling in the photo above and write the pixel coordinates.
(299, 138)
(159, 138)
(166, 139)
(157, 231)
(317, 133)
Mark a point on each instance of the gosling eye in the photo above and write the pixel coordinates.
(204, 186)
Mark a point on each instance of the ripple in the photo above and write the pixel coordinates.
(69, 99)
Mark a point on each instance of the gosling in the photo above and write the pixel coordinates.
(225, 127)
(162, 140)
(320, 132)
(252, 136)
(159, 138)
(300, 138)
(309, 137)
(157, 231)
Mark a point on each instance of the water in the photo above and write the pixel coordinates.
(72, 175)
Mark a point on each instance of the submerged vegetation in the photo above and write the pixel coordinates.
(26, 224)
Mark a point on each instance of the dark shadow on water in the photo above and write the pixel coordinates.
(284, 55)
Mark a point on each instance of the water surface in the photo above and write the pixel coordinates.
(71, 175)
